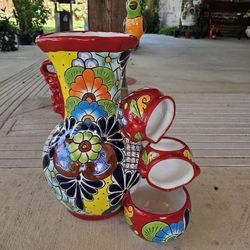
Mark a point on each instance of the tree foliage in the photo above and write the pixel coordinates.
(30, 15)
(151, 16)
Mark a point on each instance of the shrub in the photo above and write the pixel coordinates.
(30, 15)
(7, 33)
(168, 31)
(150, 14)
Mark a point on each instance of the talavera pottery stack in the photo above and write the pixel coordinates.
(157, 209)
(93, 160)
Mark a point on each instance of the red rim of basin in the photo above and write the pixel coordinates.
(86, 41)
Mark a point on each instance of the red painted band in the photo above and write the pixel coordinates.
(94, 217)
(50, 43)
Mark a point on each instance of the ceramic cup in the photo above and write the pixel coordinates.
(169, 172)
(166, 146)
(146, 115)
(155, 215)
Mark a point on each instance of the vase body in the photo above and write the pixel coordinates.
(88, 163)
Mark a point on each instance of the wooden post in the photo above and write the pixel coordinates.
(106, 15)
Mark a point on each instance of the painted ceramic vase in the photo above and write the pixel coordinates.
(146, 115)
(88, 163)
(134, 22)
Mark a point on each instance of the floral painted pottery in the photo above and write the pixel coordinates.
(155, 215)
(134, 22)
(167, 146)
(87, 161)
(146, 115)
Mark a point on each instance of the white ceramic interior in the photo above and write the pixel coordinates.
(167, 144)
(89, 33)
(160, 119)
(171, 173)
(156, 201)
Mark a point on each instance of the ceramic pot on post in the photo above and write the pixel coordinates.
(87, 160)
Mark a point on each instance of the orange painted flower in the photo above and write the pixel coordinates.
(90, 88)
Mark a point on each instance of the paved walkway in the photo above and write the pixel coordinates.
(213, 117)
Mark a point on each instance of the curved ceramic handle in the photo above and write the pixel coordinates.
(142, 170)
(44, 69)
(54, 85)
(126, 199)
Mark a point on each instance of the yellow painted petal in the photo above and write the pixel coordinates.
(96, 147)
(87, 135)
(78, 138)
(83, 158)
(95, 139)
(92, 155)
(75, 155)
(73, 147)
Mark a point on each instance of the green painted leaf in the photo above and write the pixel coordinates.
(152, 228)
(134, 108)
(71, 74)
(138, 136)
(130, 223)
(71, 102)
(109, 106)
(145, 157)
(107, 76)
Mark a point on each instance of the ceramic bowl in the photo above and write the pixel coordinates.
(169, 172)
(155, 215)
(146, 115)
(166, 146)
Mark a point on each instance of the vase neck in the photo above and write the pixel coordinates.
(90, 82)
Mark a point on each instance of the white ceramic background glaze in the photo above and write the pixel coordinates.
(160, 119)
(88, 34)
(171, 173)
(167, 144)
(156, 201)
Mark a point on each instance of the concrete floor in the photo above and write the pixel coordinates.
(15, 61)
(209, 78)
(183, 65)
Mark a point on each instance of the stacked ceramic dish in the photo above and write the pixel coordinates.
(157, 209)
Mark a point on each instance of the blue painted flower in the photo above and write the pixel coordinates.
(109, 60)
(101, 165)
(78, 62)
(88, 112)
(169, 232)
(84, 55)
(121, 118)
(86, 60)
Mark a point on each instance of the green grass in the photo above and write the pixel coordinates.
(50, 26)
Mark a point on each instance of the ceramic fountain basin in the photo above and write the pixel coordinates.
(155, 215)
